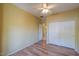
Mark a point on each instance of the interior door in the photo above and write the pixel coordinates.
(62, 33)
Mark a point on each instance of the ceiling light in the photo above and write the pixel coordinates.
(45, 11)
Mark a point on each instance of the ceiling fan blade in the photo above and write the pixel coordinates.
(40, 8)
(50, 7)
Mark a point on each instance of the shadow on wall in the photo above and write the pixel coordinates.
(19, 38)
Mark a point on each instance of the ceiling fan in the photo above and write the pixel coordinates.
(45, 8)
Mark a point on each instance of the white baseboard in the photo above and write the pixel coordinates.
(20, 49)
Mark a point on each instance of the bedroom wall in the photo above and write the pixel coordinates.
(77, 30)
(20, 29)
(1, 28)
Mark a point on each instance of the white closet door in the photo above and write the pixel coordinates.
(62, 33)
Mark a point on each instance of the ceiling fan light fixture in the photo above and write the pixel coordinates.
(45, 11)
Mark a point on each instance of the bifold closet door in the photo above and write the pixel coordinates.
(62, 33)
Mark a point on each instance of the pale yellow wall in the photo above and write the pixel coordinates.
(64, 16)
(67, 16)
(13, 17)
(77, 29)
(0, 28)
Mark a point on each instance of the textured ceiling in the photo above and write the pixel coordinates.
(57, 7)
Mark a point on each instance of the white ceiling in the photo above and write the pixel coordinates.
(57, 7)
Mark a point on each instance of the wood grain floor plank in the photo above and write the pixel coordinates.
(51, 50)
